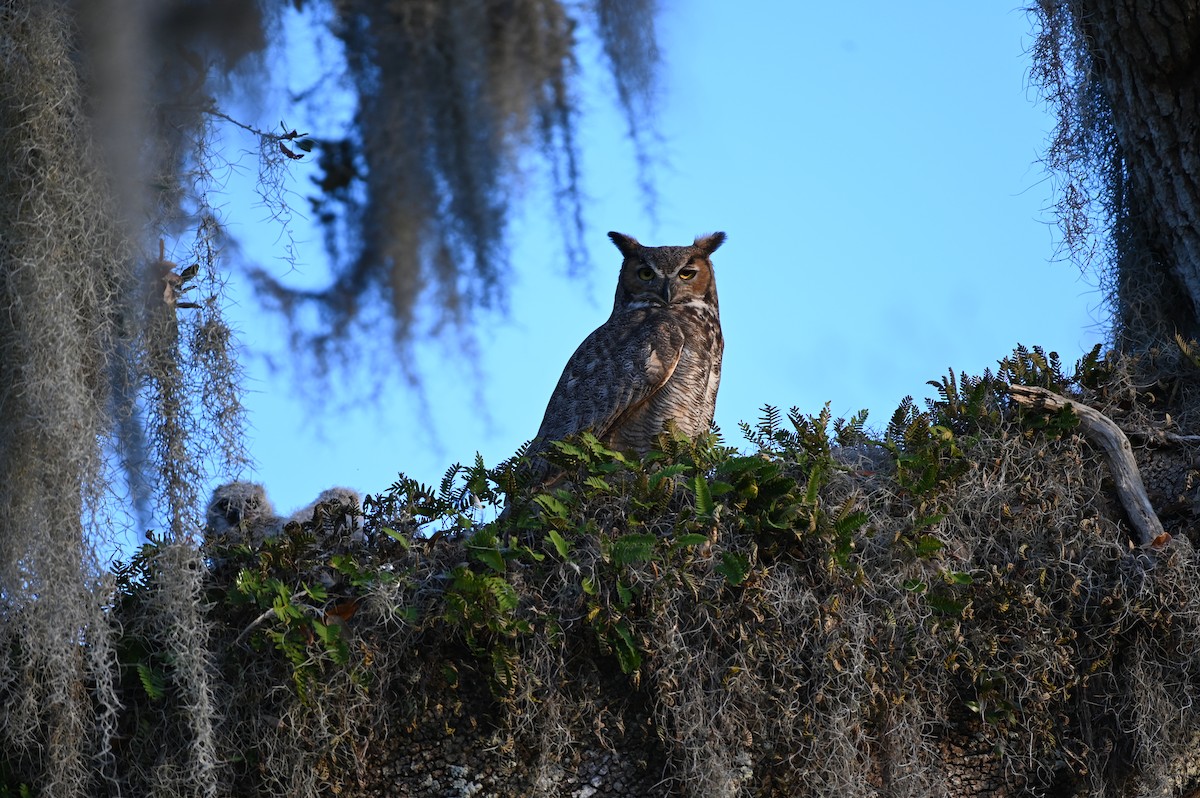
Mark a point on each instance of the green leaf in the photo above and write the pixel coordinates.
(502, 667)
(333, 641)
(743, 464)
(397, 536)
(589, 586)
(571, 449)
(624, 594)
(551, 505)
(945, 605)
(326, 632)
(928, 521)
(915, 585)
(633, 548)
(285, 611)
(152, 682)
(490, 557)
(505, 594)
(518, 550)
(941, 433)
(598, 483)
(927, 545)
(851, 523)
(692, 539)
(704, 502)
(589, 439)
(346, 565)
(776, 487)
(666, 473)
(734, 567)
(719, 488)
(959, 578)
(628, 654)
(561, 544)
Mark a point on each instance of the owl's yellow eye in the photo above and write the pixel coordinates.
(687, 274)
(645, 273)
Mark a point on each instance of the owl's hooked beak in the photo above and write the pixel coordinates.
(666, 292)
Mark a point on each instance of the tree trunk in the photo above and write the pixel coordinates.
(1146, 59)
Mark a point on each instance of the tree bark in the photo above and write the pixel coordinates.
(1146, 59)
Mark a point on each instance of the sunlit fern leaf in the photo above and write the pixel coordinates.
(152, 682)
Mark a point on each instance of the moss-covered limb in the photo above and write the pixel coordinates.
(1112, 441)
(952, 608)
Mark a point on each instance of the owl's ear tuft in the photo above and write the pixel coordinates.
(628, 245)
(708, 244)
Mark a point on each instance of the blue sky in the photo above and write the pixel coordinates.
(876, 166)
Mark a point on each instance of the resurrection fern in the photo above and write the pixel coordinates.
(966, 405)
(1094, 369)
(1034, 367)
(852, 431)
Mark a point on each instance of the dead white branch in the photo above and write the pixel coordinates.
(1101, 430)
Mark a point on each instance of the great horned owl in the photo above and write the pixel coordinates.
(656, 359)
(240, 512)
(346, 497)
(335, 510)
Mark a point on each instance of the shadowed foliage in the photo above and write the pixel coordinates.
(950, 607)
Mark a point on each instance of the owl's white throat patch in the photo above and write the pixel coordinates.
(695, 303)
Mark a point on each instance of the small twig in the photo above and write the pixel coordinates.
(1159, 436)
(248, 128)
(288, 135)
(256, 622)
(1103, 431)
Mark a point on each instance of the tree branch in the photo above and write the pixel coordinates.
(1164, 438)
(1102, 430)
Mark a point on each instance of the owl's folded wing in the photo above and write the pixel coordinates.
(609, 377)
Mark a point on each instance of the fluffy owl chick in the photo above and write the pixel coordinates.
(656, 360)
(341, 495)
(240, 512)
